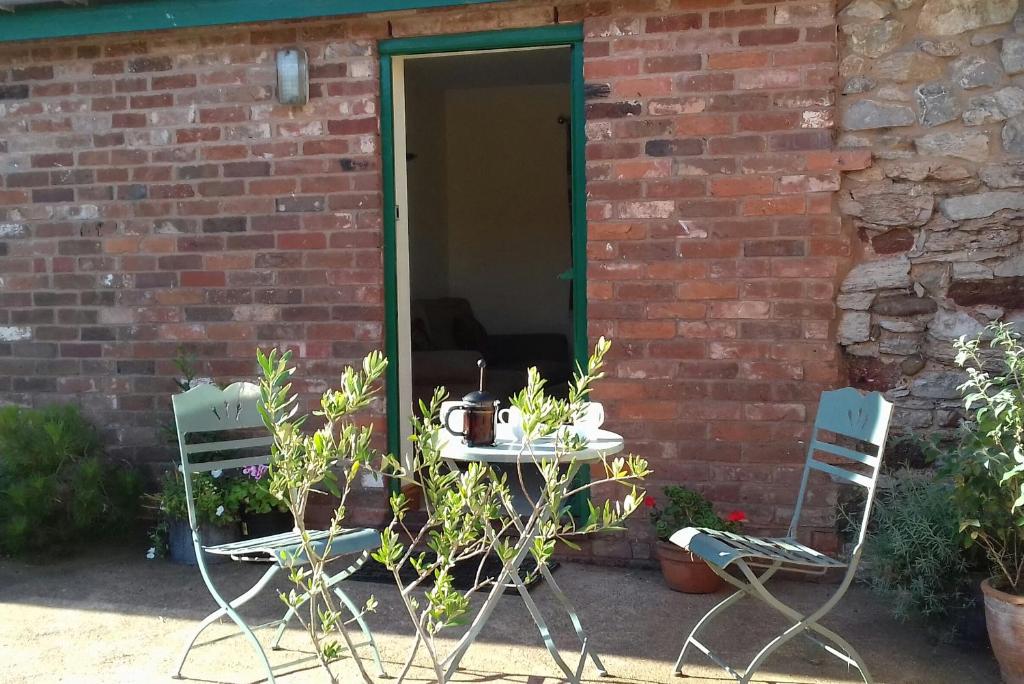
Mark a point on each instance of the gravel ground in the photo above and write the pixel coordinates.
(112, 616)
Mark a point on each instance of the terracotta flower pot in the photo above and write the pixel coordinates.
(1004, 617)
(685, 572)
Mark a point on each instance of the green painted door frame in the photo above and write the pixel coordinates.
(569, 35)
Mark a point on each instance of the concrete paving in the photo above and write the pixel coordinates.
(113, 616)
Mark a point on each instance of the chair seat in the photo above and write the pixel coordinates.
(722, 548)
(286, 548)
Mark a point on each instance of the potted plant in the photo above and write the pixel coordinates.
(988, 475)
(218, 507)
(262, 513)
(686, 508)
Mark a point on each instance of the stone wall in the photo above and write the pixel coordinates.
(935, 89)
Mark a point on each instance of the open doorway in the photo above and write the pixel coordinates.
(489, 219)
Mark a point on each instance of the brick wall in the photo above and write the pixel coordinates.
(154, 194)
(715, 244)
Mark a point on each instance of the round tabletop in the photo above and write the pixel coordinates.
(512, 451)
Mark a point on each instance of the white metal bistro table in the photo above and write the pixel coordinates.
(507, 452)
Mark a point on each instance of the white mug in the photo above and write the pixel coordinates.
(591, 421)
(445, 405)
(510, 422)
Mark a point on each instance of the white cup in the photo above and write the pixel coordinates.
(591, 421)
(510, 423)
(456, 419)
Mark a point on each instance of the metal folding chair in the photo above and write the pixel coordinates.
(207, 409)
(858, 425)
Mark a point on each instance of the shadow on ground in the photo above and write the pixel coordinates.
(112, 616)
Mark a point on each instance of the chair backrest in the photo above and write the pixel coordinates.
(860, 423)
(208, 409)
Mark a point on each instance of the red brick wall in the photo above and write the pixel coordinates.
(155, 194)
(715, 246)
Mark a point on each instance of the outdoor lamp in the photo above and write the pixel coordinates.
(292, 77)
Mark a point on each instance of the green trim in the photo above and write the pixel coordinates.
(558, 34)
(61, 21)
(579, 208)
(387, 136)
(580, 337)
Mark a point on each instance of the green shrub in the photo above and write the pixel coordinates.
(913, 555)
(54, 482)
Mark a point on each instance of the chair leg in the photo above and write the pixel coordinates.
(260, 653)
(849, 654)
(691, 638)
(275, 643)
(364, 628)
(331, 582)
(207, 621)
(770, 648)
(220, 612)
(710, 615)
(803, 624)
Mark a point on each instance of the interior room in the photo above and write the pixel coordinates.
(489, 219)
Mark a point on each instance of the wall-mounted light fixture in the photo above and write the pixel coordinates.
(292, 76)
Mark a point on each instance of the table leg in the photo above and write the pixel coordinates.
(545, 634)
(451, 663)
(574, 618)
(510, 572)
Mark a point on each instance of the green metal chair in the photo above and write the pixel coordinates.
(207, 409)
(858, 424)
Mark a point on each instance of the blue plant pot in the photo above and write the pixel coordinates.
(179, 541)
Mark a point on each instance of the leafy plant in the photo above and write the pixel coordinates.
(471, 512)
(913, 555)
(55, 485)
(988, 466)
(303, 460)
(220, 500)
(254, 489)
(185, 363)
(687, 508)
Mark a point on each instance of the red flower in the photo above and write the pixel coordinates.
(736, 517)
(649, 501)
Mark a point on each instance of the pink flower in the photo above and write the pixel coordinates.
(736, 517)
(256, 472)
(649, 501)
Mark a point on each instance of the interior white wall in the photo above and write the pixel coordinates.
(509, 227)
(488, 201)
